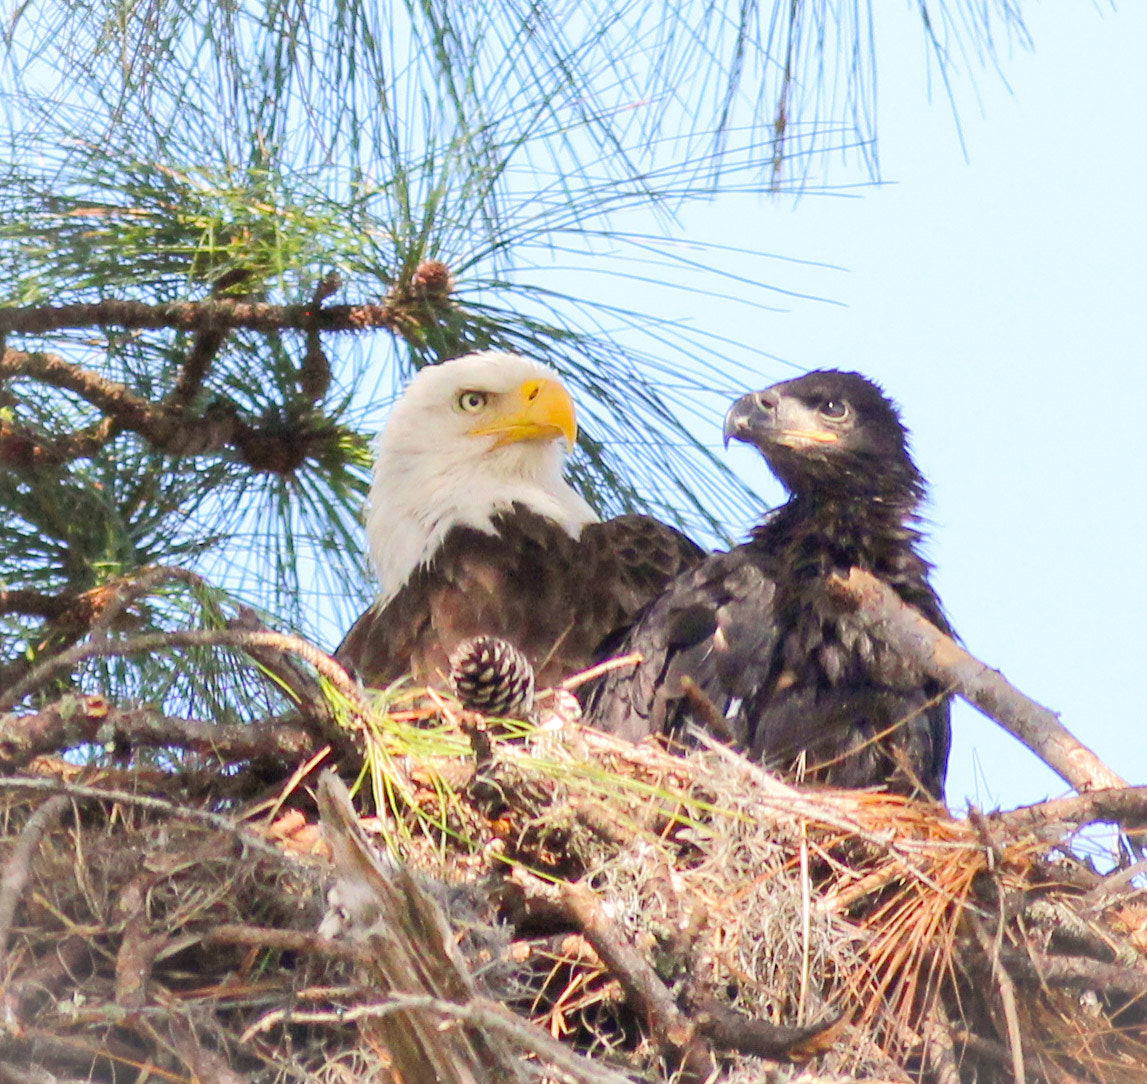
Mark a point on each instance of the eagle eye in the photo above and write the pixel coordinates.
(834, 408)
(471, 402)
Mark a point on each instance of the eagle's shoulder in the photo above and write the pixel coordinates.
(638, 556)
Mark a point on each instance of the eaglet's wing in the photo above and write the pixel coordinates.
(713, 626)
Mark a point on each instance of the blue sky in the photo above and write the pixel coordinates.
(1000, 299)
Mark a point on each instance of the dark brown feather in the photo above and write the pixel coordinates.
(556, 598)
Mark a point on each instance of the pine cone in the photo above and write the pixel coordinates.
(492, 676)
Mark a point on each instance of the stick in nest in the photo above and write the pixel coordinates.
(18, 867)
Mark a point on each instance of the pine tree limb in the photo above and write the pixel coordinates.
(31, 603)
(1126, 806)
(675, 1035)
(17, 868)
(315, 371)
(273, 448)
(149, 643)
(204, 316)
(76, 720)
(941, 658)
(23, 448)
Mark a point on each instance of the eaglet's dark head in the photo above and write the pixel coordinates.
(829, 432)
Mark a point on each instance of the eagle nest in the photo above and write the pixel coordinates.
(545, 902)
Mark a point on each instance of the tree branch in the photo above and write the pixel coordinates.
(80, 720)
(169, 427)
(204, 316)
(18, 866)
(941, 658)
(78, 792)
(1125, 806)
(241, 639)
(23, 448)
(674, 1033)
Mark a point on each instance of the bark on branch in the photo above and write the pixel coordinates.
(209, 316)
(684, 1036)
(279, 448)
(89, 720)
(18, 867)
(252, 642)
(942, 659)
(1126, 806)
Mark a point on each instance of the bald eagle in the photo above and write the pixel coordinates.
(474, 532)
(748, 641)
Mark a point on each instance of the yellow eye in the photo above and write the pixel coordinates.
(472, 401)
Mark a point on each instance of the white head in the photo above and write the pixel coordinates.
(468, 439)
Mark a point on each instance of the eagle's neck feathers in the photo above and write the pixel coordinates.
(422, 491)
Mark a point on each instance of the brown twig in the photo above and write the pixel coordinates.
(98, 606)
(217, 315)
(1076, 971)
(18, 600)
(208, 341)
(113, 398)
(582, 676)
(18, 867)
(138, 949)
(562, 1062)
(941, 658)
(300, 682)
(708, 714)
(315, 371)
(204, 348)
(66, 965)
(731, 1030)
(75, 720)
(675, 1035)
(272, 448)
(79, 792)
(1125, 806)
(153, 642)
(309, 944)
(119, 594)
(23, 448)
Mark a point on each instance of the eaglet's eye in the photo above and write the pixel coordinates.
(834, 408)
(472, 401)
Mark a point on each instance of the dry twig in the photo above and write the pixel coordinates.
(18, 866)
(941, 658)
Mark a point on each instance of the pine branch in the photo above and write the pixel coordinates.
(204, 316)
(941, 658)
(276, 448)
(17, 867)
(74, 720)
(253, 642)
(24, 449)
(35, 603)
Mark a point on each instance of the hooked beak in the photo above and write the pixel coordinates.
(540, 409)
(762, 415)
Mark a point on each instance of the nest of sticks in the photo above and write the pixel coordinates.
(548, 903)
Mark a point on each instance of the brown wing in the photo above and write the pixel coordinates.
(630, 561)
(555, 598)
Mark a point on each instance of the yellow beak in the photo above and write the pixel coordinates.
(539, 410)
(800, 438)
